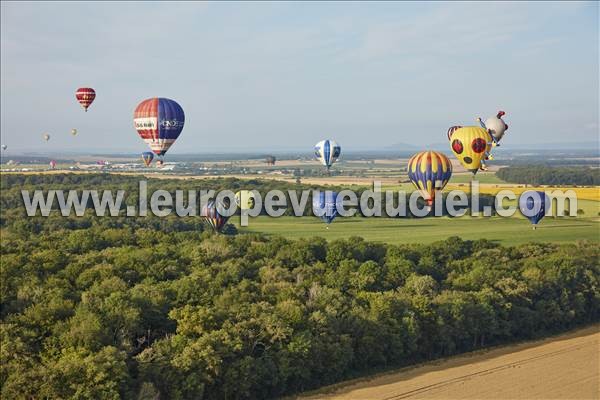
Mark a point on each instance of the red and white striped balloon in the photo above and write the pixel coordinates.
(85, 96)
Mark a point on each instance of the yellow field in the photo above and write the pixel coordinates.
(388, 183)
(583, 193)
(564, 367)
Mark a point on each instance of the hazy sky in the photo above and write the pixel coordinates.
(285, 75)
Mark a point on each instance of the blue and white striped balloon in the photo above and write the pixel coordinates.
(325, 205)
(327, 152)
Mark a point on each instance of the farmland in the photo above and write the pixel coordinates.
(281, 200)
(506, 231)
(525, 371)
(304, 313)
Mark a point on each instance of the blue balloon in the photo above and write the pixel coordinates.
(147, 157)
(324, 206)
(533, 205)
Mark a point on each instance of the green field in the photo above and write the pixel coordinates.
(506, 231)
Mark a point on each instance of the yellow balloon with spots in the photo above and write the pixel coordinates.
(470, 145)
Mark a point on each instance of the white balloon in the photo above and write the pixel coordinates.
(327, 152)
(496, 126)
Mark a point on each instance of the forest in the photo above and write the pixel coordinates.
(146, 308)
(546, 175)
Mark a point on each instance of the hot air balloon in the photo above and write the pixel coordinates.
(471, 146)
(270, 160)
(74, 132)
(52, 164)
(85, 97)
(533, 206)
(147, 157)
(496, 126)
(429, 171)
(325, 203)
(451, 130)
(244, 199)
(211, 216)
(46, 136)
(493, 140)
(4, 147)
(327, 152)
(159, 123)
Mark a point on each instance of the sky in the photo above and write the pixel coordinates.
(271, 76)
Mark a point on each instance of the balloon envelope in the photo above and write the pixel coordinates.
(4, 147)
(496, 125)
(46, 136)
(52, 164)
(469, 145)
(429, 171)
(327, 152)
(451, 130)
(85, 96)
(244, 199)
(211, 216)
(324, 206)
(147, 157)
(533, 205)
(74, 132)
(159, 123)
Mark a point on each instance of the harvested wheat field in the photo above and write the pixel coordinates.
(562, 367)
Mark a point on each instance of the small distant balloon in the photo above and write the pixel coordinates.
(4, 147)
(147, 158)
(533, 206)
(325, 207)
(85, 96)
(211, 216)
(74, 132)
(52, 164)
(270, 160)
(46, 136)
(327, 152)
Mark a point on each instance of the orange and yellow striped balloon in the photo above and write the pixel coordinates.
(429, 171)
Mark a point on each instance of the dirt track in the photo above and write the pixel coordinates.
(563, 367)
